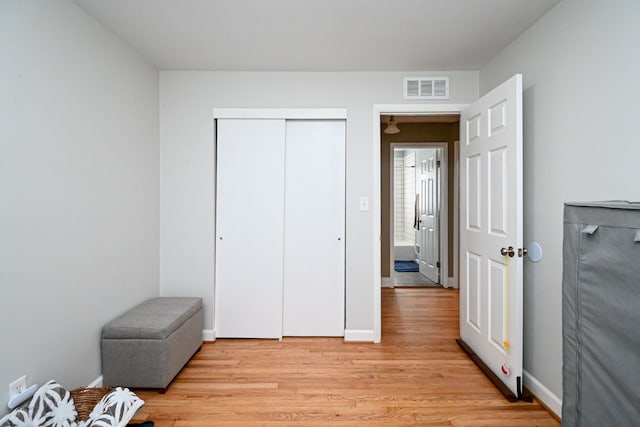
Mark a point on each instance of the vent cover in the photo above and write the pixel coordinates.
(426, 88)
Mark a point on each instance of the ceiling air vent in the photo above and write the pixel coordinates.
(426, 88)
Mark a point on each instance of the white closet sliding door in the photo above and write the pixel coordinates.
(314, 228)
(249, 228)
(280, 226)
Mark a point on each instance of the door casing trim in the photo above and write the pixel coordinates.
(378, 110)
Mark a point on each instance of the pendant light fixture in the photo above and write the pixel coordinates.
(392, 127)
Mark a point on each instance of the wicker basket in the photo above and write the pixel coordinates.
(86, 398)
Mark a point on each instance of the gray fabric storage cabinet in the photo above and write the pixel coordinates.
(601, 314)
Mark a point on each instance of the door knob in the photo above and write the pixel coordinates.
(508, 251)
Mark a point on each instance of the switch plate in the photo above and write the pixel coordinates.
(364, 204)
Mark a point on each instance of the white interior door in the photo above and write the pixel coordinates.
(249, 228)
(314, 228)
(428, 233)
(491, 219)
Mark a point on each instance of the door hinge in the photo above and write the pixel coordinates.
(437, 163)
(438, 264)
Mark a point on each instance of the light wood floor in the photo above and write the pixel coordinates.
(417, 376)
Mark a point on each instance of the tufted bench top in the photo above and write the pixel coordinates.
(156, 318)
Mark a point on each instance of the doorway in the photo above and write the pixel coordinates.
(429, 119)
(415, 208)
(491, 212)
(439, 134)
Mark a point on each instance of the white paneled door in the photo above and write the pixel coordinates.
(280, 228)
(314, 228)
(249, 228)
(491, 231)
(428, 233)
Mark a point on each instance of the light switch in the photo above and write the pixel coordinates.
(364, 204)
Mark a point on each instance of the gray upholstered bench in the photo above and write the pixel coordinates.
(148, 345)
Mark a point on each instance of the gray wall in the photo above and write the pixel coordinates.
(187, 171)
(581, 64)
(78, 189)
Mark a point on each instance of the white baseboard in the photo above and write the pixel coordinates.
(387, 282)
(96, 383)
(208, 335)
(449, 282)
(544, 394)
(359, 335)
(452, 282)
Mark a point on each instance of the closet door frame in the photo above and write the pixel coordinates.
(280, 113)
(257, 114)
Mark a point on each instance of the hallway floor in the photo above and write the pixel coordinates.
(411, 279)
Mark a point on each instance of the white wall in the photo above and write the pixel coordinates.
(408, 196)
(398, 193)
(78, 189)
(187, 100)
(404, 193)
(581, 64)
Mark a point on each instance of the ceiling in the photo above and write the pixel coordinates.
(318, 35)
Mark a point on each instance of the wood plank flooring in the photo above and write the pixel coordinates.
(417, 376)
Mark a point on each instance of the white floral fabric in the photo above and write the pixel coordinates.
(52, 406)
(115, 409)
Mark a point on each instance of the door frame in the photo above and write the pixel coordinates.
(443, 205)
(379, 110)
